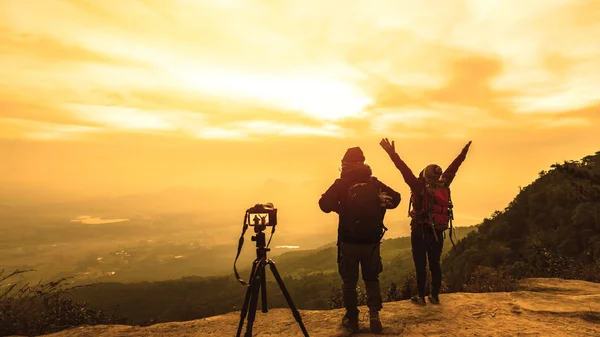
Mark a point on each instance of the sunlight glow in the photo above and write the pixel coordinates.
(564, 122)
(321, 98)
(120, 117)
(558, 102)
(90, 220)
(250, 70)
(268, 127)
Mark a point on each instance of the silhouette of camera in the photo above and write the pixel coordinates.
(262, 215)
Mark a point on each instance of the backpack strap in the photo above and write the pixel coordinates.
(451, 214)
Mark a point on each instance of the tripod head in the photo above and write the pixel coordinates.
(260, 239)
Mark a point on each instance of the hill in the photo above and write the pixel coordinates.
(540, 307)
(395, 253)
(310, 276)
(550, 229)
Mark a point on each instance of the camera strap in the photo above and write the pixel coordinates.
(239, 250)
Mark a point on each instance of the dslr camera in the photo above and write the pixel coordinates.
(261, 215)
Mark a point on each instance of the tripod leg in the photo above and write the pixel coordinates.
(288, 298)
(254, 297)
(263, 290)
(247, 300)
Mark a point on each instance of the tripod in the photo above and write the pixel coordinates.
(258, 284)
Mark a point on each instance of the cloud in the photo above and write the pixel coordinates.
(22, 107)
(47, 49)
(137, 119)
(258, 127)
(470, 84)
(564, 122)
(457, 68)
(108, 119)
(558, 102)
(13, 128)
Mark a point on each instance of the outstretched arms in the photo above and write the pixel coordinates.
(330, 200)
(409, 177)
(450, 172)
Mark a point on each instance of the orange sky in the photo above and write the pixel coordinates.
(121, 96)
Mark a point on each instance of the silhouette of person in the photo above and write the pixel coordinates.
(426, 244)
(354, 251)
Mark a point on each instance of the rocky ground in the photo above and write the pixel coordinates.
(542, 307)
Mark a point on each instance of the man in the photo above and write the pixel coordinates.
(360, 230)
(426, 238)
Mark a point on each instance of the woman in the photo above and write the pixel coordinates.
(427, 242)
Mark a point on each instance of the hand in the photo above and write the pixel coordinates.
(386, 199)
(466, 148)
(390, 148)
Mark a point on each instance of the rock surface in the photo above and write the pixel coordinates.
(541, 307)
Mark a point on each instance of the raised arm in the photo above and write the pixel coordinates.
(450, 172)
(392, 197)
(409, 177)
(330, 200)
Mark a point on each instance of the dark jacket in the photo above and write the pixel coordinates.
(336, 197)
(417, 185)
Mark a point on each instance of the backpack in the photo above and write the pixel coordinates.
(437, 207)
(365, 211)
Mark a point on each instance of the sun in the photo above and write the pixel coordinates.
(317, 96)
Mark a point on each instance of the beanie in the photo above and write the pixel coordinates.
(353, 155)
(432, 172)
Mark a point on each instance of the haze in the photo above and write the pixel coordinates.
(130, 110)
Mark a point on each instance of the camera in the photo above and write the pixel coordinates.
(261, 215)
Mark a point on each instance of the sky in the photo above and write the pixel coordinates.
(128, 96)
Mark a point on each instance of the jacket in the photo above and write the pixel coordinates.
(336, 197)
(418, 185)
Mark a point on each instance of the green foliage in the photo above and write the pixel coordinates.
(550, 229)
(336, 300)
(393, 293)
(309, 276)
(43, 308)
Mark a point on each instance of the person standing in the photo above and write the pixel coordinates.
(431, 216)
(361, 201)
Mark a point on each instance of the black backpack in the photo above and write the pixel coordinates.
(365, 210)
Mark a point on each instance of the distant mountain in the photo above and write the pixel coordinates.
(550, 229)
(309, 275)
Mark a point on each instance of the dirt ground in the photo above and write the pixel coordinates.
(543, 307)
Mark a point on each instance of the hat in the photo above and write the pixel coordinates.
(353, 155)
(432, 172)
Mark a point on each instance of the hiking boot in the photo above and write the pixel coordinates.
(374, 322)
(418, 300)
(434, 299)
(351, 323)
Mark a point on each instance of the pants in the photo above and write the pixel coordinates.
(369, 258)
(425, 247)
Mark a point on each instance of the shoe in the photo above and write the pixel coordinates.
(434, 299)
(418, 300)
(350, 323)
(374, 322)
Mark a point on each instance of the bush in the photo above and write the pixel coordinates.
(488, 279)
(393, 293)
(336, 300)
(43, 308)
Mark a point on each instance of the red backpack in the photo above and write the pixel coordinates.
(436, 206)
